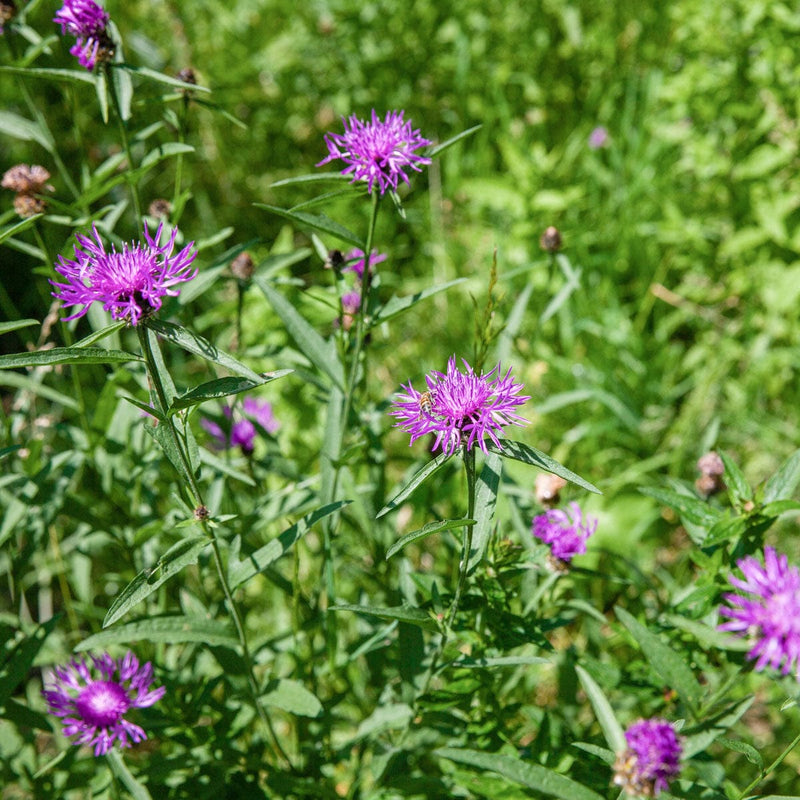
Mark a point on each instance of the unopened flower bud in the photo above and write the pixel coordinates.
(26, 179)
(8, 10)
(201, 513)
(335, 260)
(711, 464)
(711, 470)
(26, 205)
(242, 266)
(187, 75)
(160, 208)
(550, 240)
(548, 489)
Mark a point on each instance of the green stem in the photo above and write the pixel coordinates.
(155, 377)
(774, 765)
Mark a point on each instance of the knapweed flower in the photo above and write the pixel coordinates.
(351, 303)
(566, 533)
(243, 429)
(355, 261)
(29, 182)
(598, 138)
(651, 759)
(86, 21)
(460, 408)
(129, 284)
(770, 611)
(92, 699)
(378, 151)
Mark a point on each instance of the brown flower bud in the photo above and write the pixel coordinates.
(548, 489)
(160, 208)
(550, 240)
(187, 75)
(26, 179)
(8, 10)
(201, 513)
(242, 266)
(711, 464)
(26, 205)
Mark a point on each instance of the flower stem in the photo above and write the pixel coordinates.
(773, 766)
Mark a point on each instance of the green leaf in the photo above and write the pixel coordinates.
(120, 769)
(291, 696)
(397, 305)
(440, 148)
(317, 222)
(747, 750)
(612, 730)
(528, 774)
(316, 177)
(71, 75)
(221, 387)
(7, 327)
(485, 501)
(101, 334)
(500, 661)
(778, 507)
(536, 458)
(25, 129)
(692, 509)
(431, 468)
(19, 661)
(666, 663)
(322, 354)
(738, 487)
(33, 385)
(170, 630)
(158, 77)
(781, 485)
(241, 571)
(66, 355)
(18, 227)
(165, 150)
(427, 530)
(725, 528)
(200, 347)
(414, 616)
(164, 435)
(147, 581)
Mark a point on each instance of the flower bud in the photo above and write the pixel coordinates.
(550, 240)
(242, 267)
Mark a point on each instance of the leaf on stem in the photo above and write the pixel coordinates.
(66, 355)
(170, 630)
(427, 530)
(419, 477)
(317, 222)
(414, 616)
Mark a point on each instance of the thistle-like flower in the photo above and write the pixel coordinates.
(86, 21)
(770, 611)
(651, 759)
(355, 261)
(243, 429)
(129, 284)
(93, 699)
(378, 151)
(351, 303)
(566, 533)
(29, 182)
(460, 408)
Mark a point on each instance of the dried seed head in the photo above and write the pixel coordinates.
(160, 208)
(548, 489)
(26, 205)
(550, 240)
(242, 266)
(26, 179)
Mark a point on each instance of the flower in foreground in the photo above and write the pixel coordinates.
(355, 261)
(243, 429)
(460, 408)
(86, 21)
(92, 699)
(129, 284)
(565, 532)
(379, 151)
(651, 759)
(770, 611)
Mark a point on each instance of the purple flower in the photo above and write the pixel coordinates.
(651, 759)
(86, 21)
(377, 151)
(129, 284)
(94, 708)
(351, 303)
(566, 533)
(598, 138)
(355, 261)
(771, 612)
(243, 430)
(460, 407)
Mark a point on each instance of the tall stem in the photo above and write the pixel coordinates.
(774, 765)
(233, 607)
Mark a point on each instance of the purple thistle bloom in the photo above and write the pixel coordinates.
(651, 759)
(460, 407)
(771, 612)
(566, 533)
(94, 708)
(86, 21)
(129, 284)
(243, 430)
(355, 261)
(378, 151)
(598, 138)
(351, 303)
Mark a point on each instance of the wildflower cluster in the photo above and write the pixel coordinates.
(87, 22)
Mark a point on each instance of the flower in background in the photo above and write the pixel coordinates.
(86, 21)
(8, 10)
(651, 759)
(29, 182)
(460, 408)
(355, 261)
(92, 699)
(770, 611)
(598, 138)
(351, 303)
(129, 284)
(242, 429)
(566, 533)
(378, 151)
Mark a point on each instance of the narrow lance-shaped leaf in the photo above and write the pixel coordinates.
(120, 769)
(419, 477)
(291, 696)
(427, 530)
(397, 305)
(440, 148)
(414, 616)
(317, 222)
(781, 485)
(738, 486)
(221, 387)
(66, 355)
(164, 629)
(485, 501)
(612, 730)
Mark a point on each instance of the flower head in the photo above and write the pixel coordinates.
(29, 182)
(243, 430)
(651, 759)
(8, 10)
(566, 533)
(598, 138)
(129, 284)
(460, 407)
(351, 303)
(355, 261)
(770, 611)
(86, 21)
(378, 151)
(93, 699)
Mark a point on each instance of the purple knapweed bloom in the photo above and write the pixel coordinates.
(93, 699)
(355, 261)
(378, 151)
(243, 429)
(460, 408)
(771, 612)
(86, 21)
(129, 284)
(651, 759)
(351, 303)
(598, 138)
(566, 533)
